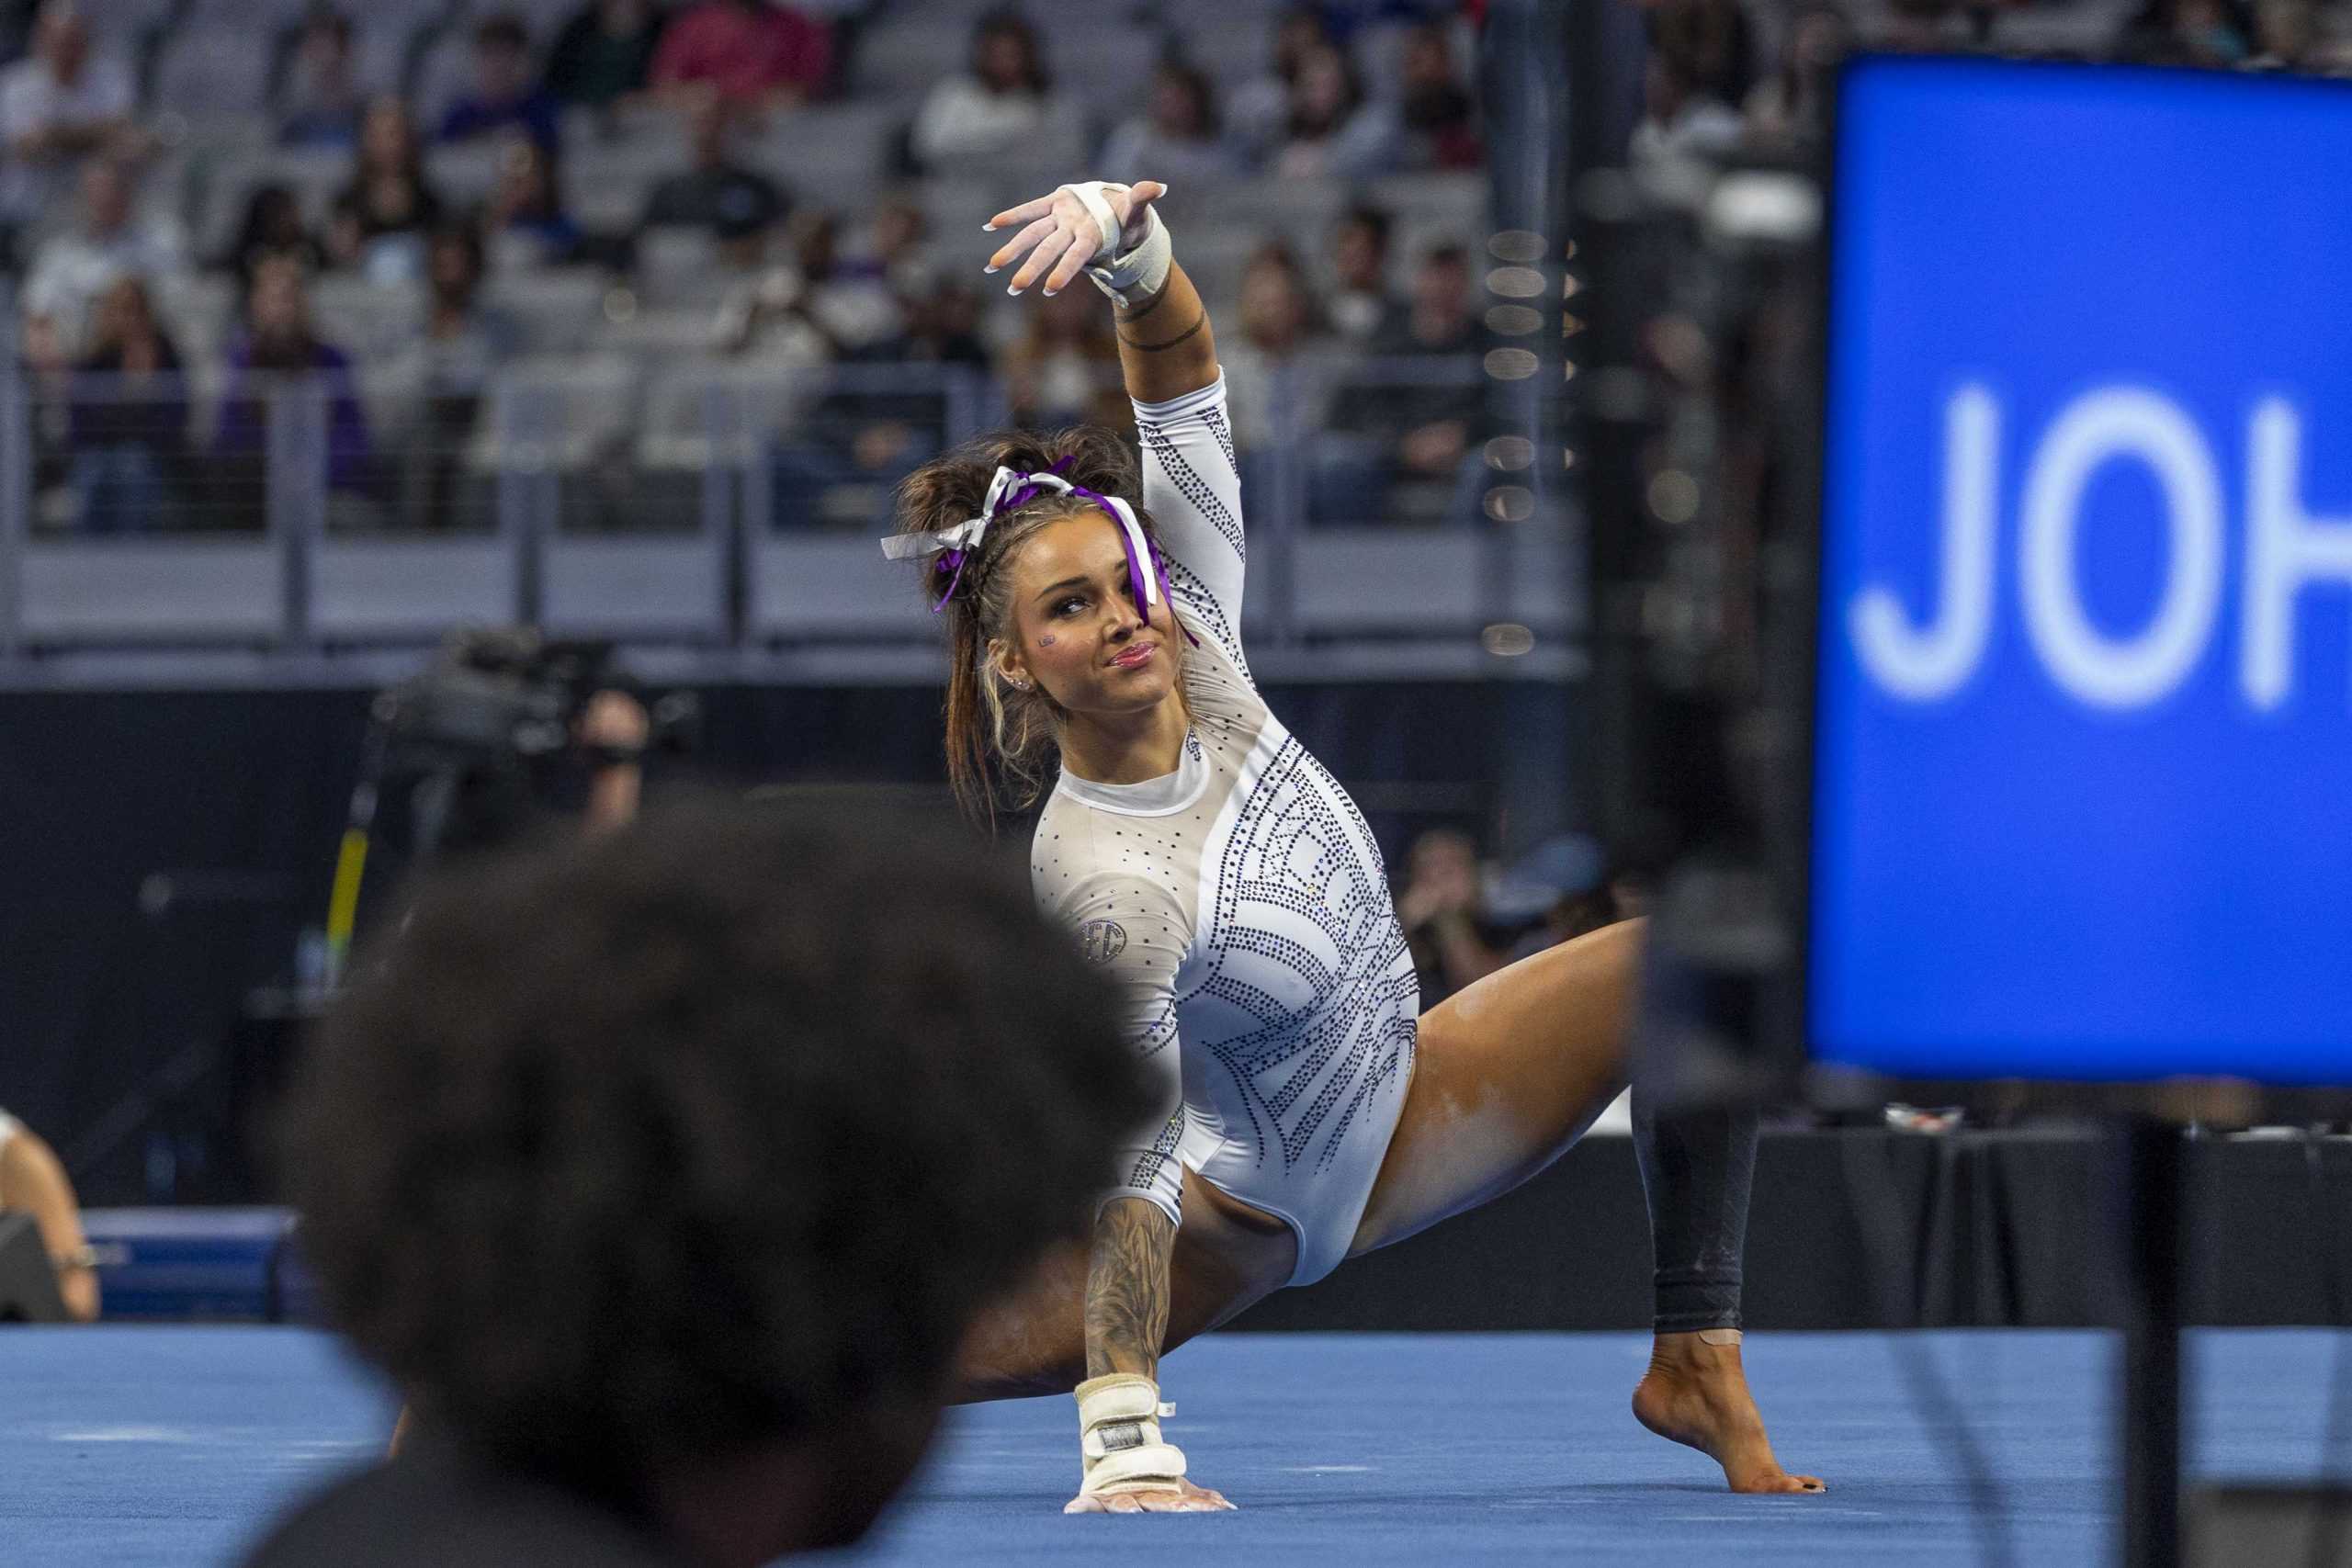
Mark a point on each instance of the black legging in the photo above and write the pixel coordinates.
(1697, 1168)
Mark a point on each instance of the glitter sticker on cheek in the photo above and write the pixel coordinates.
(1046, 642)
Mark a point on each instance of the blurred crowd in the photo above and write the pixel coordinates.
(616, 241)
(562, 217)
(1727, 79)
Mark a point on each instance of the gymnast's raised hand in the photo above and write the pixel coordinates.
(1062, 233)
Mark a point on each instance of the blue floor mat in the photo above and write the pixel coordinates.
(143, 1447)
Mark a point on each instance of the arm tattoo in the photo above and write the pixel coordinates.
(1126, 1288)
(1169, 343)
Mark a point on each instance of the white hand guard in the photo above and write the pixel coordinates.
(1133, 276)
(1118, 1422)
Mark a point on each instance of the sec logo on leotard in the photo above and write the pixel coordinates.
(1101, 941)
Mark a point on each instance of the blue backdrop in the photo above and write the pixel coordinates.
(2083, 798)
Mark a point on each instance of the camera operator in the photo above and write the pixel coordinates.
(614, 731)
(507, 730)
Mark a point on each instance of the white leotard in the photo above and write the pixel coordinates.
(1239, 905)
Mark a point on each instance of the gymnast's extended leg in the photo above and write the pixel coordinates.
(1511, 1071)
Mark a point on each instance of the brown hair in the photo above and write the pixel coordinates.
(999, 738)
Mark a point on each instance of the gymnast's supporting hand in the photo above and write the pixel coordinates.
(1127, 1466)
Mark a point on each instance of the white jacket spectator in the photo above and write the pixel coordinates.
(57, 107)
(1334, 133)
(1258, 112)
(73, 267)
(1005, 100)
(1177, 142)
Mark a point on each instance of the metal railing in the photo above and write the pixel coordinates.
(709, 503)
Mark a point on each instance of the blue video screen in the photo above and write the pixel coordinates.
(2082, 801)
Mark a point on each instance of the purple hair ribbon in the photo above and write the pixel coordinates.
(1010, 490)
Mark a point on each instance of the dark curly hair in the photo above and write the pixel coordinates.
(999, 738)
(711, 1131)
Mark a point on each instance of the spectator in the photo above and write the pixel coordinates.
(1789, 109)
(526, 222)
(1421, 431)
(465, 340)
(1333, 133)
(2190, 33)
(380, 218)
(1177, 142)
(1926, 26)
(1562, 885)
(272, 226)
(865, 437)
(892, 251)
(603, 57)
(719, 195)
(1712, 44)
(772, 1164)
(1683, 134)
(1261, 362)
(57, 108)
(1258, 111)
(1436, 107)
(1065, 368)
(46, 374)
(450, 365)
(33, 1181)
(321, 105)
(1005, 100)
(847, 310)
(75, 267)
(1439, 908)
(278, 341)
(1360, 306)
(757, 53)
(504, 97)
(129, 431)
(2286, 35)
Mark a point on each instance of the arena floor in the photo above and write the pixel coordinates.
(137, 1447)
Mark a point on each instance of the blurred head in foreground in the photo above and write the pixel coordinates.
(663, 1173)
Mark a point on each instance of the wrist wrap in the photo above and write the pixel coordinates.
(1118, 1424)
(1136, 274)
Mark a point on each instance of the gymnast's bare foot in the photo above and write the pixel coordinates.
(1697, 1393)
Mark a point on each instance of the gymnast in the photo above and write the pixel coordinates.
(1229, 888)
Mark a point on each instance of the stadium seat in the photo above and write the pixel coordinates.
(1104, 65)
(711, 409)
(1432, 208)
(1298, 212)
(367, 321)
(652, 332)
(444, 74)
(204, 72)
(463, 175)
(679, 266)
(557, 411)
(559, 308)
(904, 56)
(832, 155)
